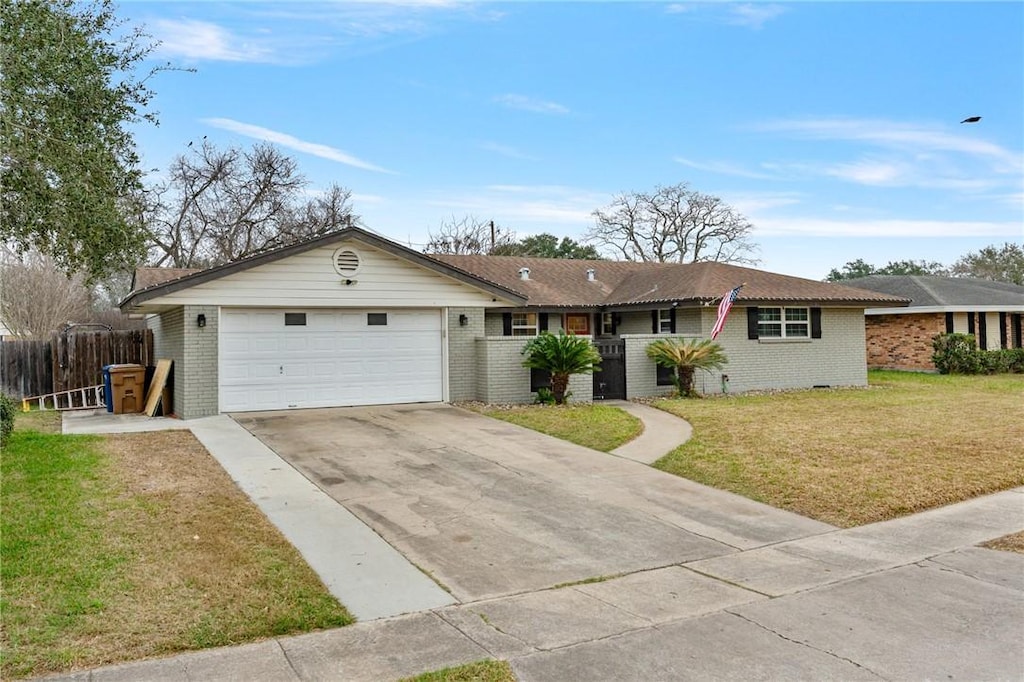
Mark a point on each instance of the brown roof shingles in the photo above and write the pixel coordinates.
(563, 283)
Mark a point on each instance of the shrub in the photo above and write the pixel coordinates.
(956, 354)
(7, 408)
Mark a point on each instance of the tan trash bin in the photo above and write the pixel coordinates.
(127, 388)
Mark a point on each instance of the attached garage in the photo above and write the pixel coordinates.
(345, 319)
(273, 359)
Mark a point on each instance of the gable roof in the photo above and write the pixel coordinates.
(930, 291)
(149, 283)
(555, 282)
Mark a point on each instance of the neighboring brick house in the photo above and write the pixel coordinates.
(901, 338)
(351, 318)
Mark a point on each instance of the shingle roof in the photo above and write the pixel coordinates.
(145, 277)
(557, 282)
(933, 291)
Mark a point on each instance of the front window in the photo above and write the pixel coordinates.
(783, 323)
(524, 324)
(665, 321)
(607, 324)
(577, 324)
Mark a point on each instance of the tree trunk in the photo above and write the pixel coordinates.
(686, 381)
(559, 385)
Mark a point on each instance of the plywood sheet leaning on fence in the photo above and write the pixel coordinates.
(156, 387)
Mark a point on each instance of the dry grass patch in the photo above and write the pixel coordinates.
(169, 555)
(481, 671)
(849, 457)
(1007, 543)
(600, 427)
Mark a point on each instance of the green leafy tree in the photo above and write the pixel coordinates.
(858, 268)
(548, 246)
(686, 357)
(562, 355)
(68, 164)
(997, 263)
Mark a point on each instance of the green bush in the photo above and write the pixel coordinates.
(956, 354)
(959, 354)
(7, 408)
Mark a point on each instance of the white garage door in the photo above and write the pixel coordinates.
(278, 359)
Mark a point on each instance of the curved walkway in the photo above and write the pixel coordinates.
(663, 433)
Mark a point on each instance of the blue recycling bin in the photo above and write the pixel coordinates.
(108, 394)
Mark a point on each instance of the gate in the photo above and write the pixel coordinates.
(610, 382)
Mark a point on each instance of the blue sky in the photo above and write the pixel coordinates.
(834, 127)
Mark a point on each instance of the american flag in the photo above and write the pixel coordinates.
(723, 310)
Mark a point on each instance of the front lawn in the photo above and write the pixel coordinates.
(848, 457)
(123, 547)
(600, 427)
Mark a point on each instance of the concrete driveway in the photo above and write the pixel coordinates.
(492, 509)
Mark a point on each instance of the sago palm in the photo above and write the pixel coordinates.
(562, 355)
(687, 357)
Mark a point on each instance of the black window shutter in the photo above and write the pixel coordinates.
(1015, 324)
(672, 320)
(949, 323)
(506, 324)
(815, 323)
(616, 319)
(982, 331)
(970, 323)
(752, 322)
(654, 321)
(542, 322)
(595, 328)
(1002, 330)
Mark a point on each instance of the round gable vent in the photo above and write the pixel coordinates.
(346, 262)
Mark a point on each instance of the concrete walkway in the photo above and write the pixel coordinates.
(663, 433)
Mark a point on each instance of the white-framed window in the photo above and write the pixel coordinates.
(524, 324)
(665, 321)
(783, 323)
(607, 324)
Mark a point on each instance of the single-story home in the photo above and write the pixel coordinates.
(352, 318)
(901, 337)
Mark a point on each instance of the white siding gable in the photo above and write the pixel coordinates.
(309, 280)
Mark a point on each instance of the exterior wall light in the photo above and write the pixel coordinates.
(200, 320)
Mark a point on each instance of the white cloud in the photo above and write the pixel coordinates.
(725, 168)
(204, 41)
(525, 103)
(816, 227)
(753, 15)
(291, 142)
(506, 150)
(520, 205)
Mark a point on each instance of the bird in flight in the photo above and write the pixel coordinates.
(971, 119)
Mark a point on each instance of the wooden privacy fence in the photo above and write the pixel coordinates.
(69, 361)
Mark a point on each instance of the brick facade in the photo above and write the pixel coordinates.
(902, 341)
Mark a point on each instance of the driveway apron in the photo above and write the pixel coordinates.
(492, 509)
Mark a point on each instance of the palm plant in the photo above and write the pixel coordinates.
(687, 357)
(562, 355)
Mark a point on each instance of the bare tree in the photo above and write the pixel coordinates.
(469, 235)
(221, 205)
(673, 224)
(37, 297)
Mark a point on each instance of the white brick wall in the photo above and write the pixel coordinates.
(501, 377)
(200, 365)
(169, 344)
(462, 362)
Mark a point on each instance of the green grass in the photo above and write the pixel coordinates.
(120, 548)
(481, 671)
(908, 443)
(600, 427)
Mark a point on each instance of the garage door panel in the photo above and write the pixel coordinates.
(337, 358)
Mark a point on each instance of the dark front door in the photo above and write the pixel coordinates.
(610, 382)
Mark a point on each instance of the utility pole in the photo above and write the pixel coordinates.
(492, 236)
